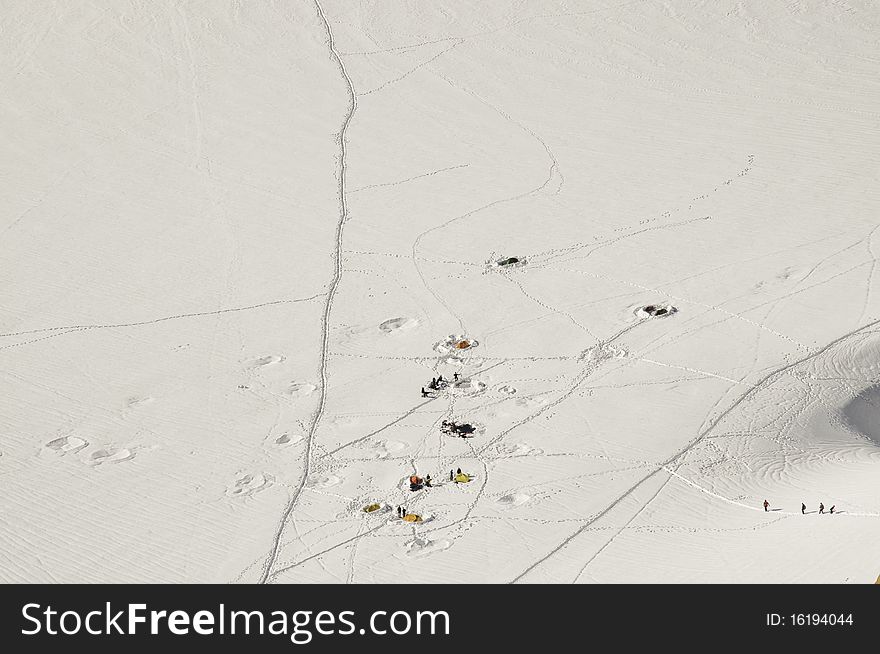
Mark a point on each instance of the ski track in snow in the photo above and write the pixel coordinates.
(328, 306)
(75, 328)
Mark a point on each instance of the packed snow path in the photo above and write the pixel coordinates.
(328, 305)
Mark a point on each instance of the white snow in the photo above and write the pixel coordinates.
(238, 238)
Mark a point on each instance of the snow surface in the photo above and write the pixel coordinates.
(239, 237)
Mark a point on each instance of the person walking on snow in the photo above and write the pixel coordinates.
(424, 392)
(766, 504)
(821, 508)
(803, 508)
(428, 481)
(451, 475)
(831, 510)
(455, 376)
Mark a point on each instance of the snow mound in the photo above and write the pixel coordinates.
(139, 401)
(318, 480)
(384, 449)
(518, 449)
(468, 387)
(67, 444)
(397, 324)
(513, 500)
(419, 547)
(287, 439)
(862, 414)
(110, 455)
(603, 352)
(268, 360)
(297, 389)
(250, 484)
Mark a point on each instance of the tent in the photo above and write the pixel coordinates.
(462, 478)
(412, 517)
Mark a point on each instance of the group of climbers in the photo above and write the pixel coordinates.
(804, 508)
(438, 384)
(821, 508)
(418, 483)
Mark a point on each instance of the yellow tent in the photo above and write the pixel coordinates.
(462, 478)
(412, 517)
(372, 507)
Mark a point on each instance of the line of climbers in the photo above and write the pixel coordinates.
(804, 508)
